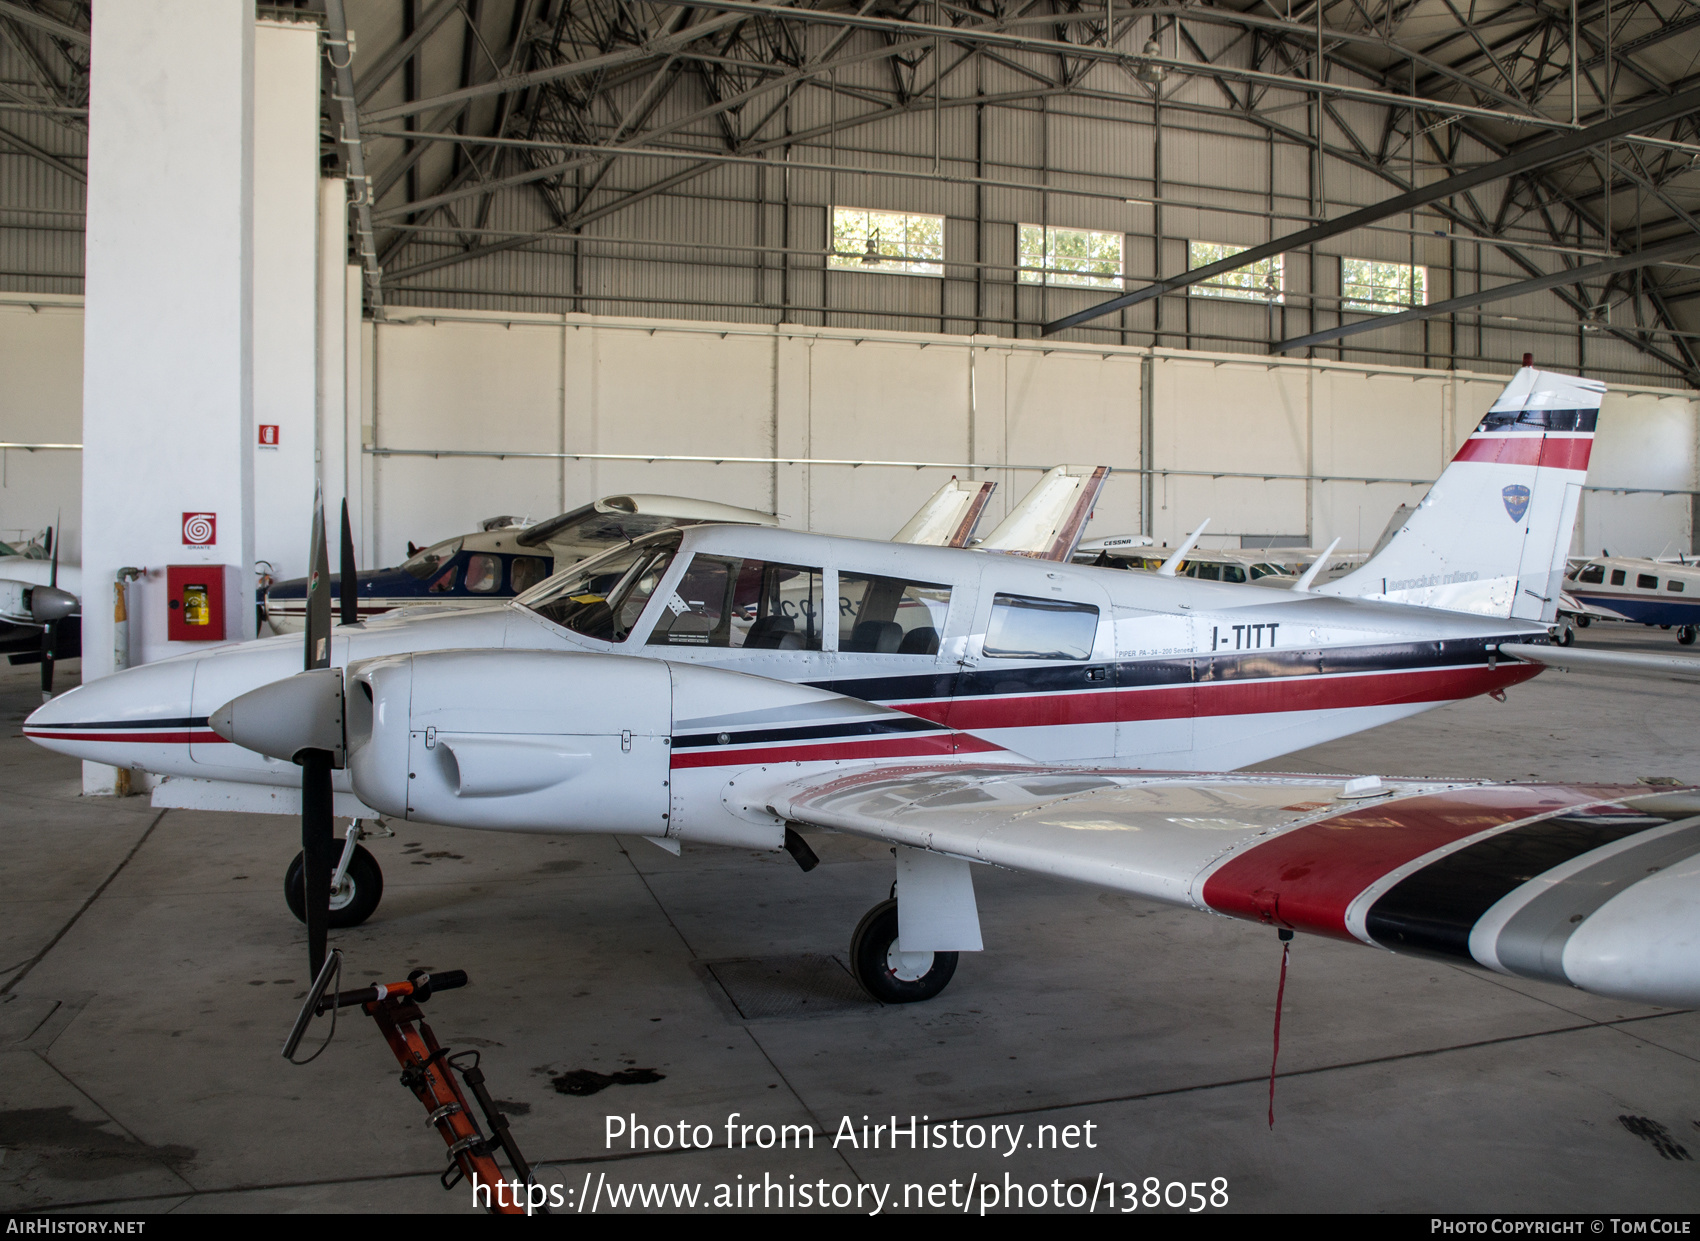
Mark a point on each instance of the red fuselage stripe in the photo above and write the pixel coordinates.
(1213, 698)
(207, 737)
(1566, 453)
(1306, 878)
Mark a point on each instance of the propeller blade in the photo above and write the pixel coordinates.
(348, 589)
(53, 543)
(318, 840)
(317, 827)
(318, 594)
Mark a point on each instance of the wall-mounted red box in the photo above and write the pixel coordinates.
(199, 598)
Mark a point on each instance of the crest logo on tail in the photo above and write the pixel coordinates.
(1516, 499)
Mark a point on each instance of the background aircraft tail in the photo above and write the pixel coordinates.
(1492, 533)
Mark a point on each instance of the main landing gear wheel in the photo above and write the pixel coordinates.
(1687, 634)
(352, 901)
(891, 976)
(1582, 622)
(1563, 634)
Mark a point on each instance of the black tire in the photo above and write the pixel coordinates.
(1565, 636)
(1664, 626)
(872, 959)
(1582, 622)
(364, 879)
(1687, 634)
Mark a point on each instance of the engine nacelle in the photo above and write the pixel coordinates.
(543, 741)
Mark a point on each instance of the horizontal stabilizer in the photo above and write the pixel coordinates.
(1609, 663)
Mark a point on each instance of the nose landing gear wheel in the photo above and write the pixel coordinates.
(889, 975)
(352, 902)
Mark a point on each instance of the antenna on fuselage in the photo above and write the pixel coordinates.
(1174, 562)
(1309, 575)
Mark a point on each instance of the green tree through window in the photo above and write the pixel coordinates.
(1381, 288)
(904, 242)
(1082, 257)
(1261, 281)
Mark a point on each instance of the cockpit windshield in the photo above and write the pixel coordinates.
(603, 597)
(422, 564)
(586, 532)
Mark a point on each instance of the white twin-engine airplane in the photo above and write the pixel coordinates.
(725, 684)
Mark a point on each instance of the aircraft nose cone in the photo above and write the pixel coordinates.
(302, 712)
(49, 604)
(131, 719)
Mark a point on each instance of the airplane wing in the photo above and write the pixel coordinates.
(1611, 663)
(1594, 886)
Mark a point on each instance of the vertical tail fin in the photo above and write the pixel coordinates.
(1491, 535)
(1051, 519)
(949, 517)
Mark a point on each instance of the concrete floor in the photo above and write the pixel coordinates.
(151, 970)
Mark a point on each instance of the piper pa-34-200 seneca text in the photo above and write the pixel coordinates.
(728, 684)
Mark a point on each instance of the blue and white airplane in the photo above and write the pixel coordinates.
(1646, 592)
(503, 560)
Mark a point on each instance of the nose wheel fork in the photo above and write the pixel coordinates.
(357, 884)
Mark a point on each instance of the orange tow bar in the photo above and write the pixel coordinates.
(428, 1070)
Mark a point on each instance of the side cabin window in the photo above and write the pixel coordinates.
(527, 571)
(1671, 584)
(1027, 628)
(724, 601)
(889, 616)
(1593, 575)
(1617, 577)
(483, 573)
(446, 582)
(603, 597)
(1646, 581)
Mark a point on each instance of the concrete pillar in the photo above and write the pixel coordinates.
(286, 303)
(332, 435)
(168, 418)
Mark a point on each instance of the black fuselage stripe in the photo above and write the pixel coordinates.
(1433, 911)
(187, 721)
(985, 681)
(812, 732)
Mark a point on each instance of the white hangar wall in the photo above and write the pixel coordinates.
(1353, 441)
(437, 385)
(41, 402)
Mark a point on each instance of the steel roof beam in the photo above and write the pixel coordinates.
(1536, 156)
(58, 29)
(1570, 275)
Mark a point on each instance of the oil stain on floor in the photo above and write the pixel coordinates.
(64, 1147)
